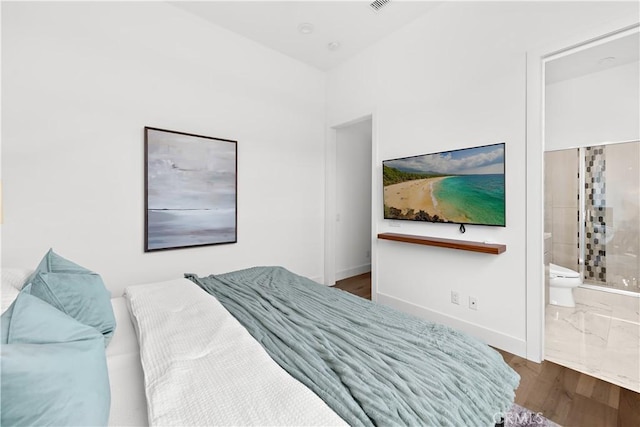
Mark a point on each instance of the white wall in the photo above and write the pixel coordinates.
(81, 80)
(593, 109)
(353, 199)
(433, 86)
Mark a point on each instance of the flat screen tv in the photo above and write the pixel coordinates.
(460, 186)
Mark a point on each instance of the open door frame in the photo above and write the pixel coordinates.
(330, 200)
(536, 60)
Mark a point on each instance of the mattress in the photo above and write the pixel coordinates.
(128, 402)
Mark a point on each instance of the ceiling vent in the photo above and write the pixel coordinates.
(378, 4)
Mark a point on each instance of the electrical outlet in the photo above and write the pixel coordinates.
(473, 303)
(455, 297)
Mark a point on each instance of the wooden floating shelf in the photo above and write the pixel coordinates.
(465, 245)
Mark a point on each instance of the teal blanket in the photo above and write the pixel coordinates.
(372, 364)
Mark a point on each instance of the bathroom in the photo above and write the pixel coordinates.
(592, 209)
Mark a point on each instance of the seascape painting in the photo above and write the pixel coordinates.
(191, 192)
(461, 186)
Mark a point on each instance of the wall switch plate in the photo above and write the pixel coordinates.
(473, 303)
(455, 297)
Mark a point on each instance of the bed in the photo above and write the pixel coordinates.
(219, 350)
(126, 379)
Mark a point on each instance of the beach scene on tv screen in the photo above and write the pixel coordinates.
(461, 186)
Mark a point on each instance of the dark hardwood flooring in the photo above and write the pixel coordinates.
(564, 396)
(357, 285)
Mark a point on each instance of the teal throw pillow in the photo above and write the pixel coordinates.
(54, 368)
(75, 291)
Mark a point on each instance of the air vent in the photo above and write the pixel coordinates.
(379, 4)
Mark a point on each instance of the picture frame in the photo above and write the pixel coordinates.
(190, 187)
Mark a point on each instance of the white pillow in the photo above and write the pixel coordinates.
(12, 281)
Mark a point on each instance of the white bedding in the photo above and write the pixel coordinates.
(201, 367)
(128, 403)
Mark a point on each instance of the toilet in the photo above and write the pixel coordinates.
(562, 281)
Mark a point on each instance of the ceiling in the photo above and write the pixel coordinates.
(611, 54)
(353, 24)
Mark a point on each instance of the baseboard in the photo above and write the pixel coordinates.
(494, 338)
(355, 271)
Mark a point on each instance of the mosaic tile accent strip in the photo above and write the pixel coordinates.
(595, 254)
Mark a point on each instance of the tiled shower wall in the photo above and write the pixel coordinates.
(595, 206)
(561, 206)
(623, 216)
(611, 208)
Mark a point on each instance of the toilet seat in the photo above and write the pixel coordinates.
(559, 271)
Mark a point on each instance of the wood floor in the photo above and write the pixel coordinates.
(564, 396)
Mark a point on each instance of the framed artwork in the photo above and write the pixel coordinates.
(190, 190)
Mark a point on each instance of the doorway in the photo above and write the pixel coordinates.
(353, 199)
(591, 209)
